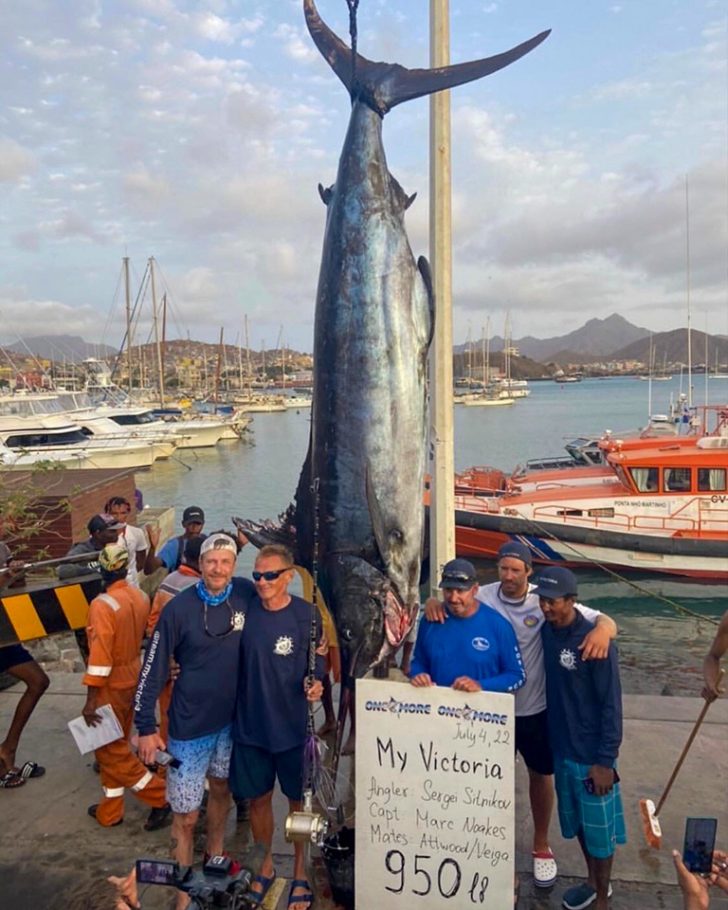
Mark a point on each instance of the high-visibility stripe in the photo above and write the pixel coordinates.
(98, 671)
(142, 782)
(112, 602)
(113, 792)
(45, 610)
(74, 604)
(23, 617)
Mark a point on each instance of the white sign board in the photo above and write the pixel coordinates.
(434, 797)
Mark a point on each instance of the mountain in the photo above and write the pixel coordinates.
(595, 340)
(672, 348)
(61, 347)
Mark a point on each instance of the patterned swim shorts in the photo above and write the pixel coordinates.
(599, 818)
(207, 756)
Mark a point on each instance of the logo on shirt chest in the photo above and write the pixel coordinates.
(238, 622)
(530, 621)
(567, 659)
(480, 643)
(283, 646)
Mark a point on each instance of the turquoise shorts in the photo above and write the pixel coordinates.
(599, 818)
(207, 756)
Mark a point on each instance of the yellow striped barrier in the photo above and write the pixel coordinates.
(39, 610)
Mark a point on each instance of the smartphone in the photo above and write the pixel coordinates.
(156, 872)
(699, 844)
(589, 782)
(164, 758)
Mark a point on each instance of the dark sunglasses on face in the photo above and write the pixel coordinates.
(268, 576)
(456, 576)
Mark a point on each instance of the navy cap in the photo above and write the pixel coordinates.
(516, 550)
(555, 581)
(193, 515)
(104, 522)
(458, 574)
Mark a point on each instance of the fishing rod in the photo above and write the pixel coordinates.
(43, 563)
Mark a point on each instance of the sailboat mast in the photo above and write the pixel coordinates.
(219, 368)
(157, 340)
(127, 306)
(687, 273)
(247, 359)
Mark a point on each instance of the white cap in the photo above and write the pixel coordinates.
(218, 542)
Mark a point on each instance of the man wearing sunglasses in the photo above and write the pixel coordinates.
(270, 725)
(201, 629)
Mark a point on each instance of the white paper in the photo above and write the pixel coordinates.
(90, 738)
(434, 797)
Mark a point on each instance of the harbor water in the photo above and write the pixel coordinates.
(661, 646)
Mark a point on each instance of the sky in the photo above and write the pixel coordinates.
(197, 133)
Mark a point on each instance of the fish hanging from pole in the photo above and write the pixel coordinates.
(364, 472)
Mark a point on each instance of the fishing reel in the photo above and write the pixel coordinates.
(305, 825)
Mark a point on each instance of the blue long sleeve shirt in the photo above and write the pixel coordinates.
(584, 697)
(203, 698)
(482, 646)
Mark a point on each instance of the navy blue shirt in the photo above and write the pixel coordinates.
(272, 709)
(584, 697)
(203, 698)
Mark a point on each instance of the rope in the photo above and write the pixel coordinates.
(353, 6)
(549, 535)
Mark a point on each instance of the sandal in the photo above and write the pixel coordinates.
(545, 870)
(31, 769)
(10, 780)
(265, 881)
(305, 897)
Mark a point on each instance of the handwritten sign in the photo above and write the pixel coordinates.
(434, 797)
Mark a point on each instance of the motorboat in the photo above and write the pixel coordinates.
(656, 505)
(56, 438)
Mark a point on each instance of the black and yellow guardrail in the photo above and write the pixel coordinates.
(42, 609)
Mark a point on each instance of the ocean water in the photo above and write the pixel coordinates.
(661, 648)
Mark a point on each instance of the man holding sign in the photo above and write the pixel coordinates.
(477, 652)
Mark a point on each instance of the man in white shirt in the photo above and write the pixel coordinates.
(133, 539)
(512, 596)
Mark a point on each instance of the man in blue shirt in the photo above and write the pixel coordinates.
(170, 556)
(478, 652)
(585, 729)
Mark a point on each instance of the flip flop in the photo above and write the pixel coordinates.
(31, 769)
(305, 897)
(10, 780)
(257, 897)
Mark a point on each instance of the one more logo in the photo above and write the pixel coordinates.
(567, 659)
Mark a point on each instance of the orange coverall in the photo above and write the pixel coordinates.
(116, 622)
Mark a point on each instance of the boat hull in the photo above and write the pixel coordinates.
(482, 535)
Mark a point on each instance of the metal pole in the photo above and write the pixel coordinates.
(157, 340)
(442, 492)
(127, 307)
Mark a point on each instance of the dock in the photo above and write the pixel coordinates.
(51, 852)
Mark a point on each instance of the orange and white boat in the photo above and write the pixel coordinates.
(656, 505)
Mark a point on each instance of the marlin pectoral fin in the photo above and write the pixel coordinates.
(384, 85)
(424, 269)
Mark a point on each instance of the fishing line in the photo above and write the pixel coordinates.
(632, 584)
(353, 7)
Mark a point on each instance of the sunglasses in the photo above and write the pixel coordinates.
(458, 576)
(268, 576)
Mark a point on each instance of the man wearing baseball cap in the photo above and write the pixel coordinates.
(476, 650)
(585, 729)
(201, 627)
(116, 622)
(170, 556)
(103, 529)
(513, 598)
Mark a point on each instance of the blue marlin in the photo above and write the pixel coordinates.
(357, 520)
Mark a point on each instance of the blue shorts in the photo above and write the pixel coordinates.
(253, 772)
(599, 818)
(13, 656)
(207, 756)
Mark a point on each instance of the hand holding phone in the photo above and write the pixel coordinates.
(699, 844)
